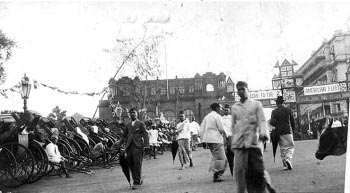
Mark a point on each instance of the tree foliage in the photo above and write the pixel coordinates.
(6, 45)
(57, 114)
(139, 55)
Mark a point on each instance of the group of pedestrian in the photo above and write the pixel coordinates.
(235, 139)
(240, 139)
(160, 137)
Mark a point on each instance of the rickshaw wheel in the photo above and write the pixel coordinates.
(40, 162)
(65, 153)
(8, 168)
(45, 160)
(25, 161)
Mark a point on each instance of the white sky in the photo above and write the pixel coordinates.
(61, 43)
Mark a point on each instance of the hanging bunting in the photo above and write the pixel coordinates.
(3, 93)
(13, 90)
(37, 84)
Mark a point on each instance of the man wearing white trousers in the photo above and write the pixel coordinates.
(283, 121)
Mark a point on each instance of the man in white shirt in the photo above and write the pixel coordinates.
(212, 132)
(184, 135)
(55, 156)
(336, 123)
(227, 122)
(194, 128)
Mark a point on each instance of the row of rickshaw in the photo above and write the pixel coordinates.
(24, 136)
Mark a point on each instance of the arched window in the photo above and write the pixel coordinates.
(189, 114)
(151, 114)
(169, 116)
(210, 88)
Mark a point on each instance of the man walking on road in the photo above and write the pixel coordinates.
(226, 120)
(283, 121)
(194, 128)
(212, 133)
(248, 127)
(136, 138)
(184, 137)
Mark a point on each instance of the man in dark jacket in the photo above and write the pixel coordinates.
(283, 121)
(136, 138)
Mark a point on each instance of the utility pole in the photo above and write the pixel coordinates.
(145, 93)
(166, 75)
(177, 98)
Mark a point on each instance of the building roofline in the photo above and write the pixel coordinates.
(322, 45)
(174, 79)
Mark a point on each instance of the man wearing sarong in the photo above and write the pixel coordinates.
(249, 128)
(184, 136)
(212, 132)
(283, 121)
(226, 120)
(194, 128)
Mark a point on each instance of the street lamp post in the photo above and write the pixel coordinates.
(26, 86)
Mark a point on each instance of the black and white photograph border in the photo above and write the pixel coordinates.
(90, 60)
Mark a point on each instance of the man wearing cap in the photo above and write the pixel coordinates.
(226, 120)
(283, 121)
(55, 156)
(136, 138)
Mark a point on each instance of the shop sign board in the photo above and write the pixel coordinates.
(267, 94)
(320, 98)
(323, 89)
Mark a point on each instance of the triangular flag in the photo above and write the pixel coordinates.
(3, 93)
(36, 84)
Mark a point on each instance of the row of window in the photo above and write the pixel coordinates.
(181, 90)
